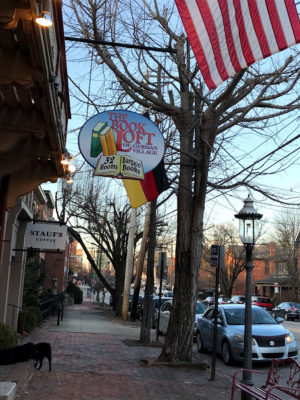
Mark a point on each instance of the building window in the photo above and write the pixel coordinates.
(267, 267)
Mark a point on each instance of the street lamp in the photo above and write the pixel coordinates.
(248, 221)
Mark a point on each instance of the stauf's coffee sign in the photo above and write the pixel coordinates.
(46, 236)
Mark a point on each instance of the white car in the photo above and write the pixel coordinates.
(165, 312)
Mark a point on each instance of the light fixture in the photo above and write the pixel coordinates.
(70, 180)
(248, 220)
(44, 20)
(65, 161)
(66, 158)
(71, 168)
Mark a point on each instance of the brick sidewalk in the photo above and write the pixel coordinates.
(90, 366)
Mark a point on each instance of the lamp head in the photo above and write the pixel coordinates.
(70, 180)
(248, 217)
(44, 20)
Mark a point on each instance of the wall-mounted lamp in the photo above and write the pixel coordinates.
(65, 161)
(70, 180)
(67, 158)
(44, 20)
(71, 168)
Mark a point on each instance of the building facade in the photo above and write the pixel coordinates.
(34, 112)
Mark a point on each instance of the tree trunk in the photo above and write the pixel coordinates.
(145, 335)
(117, 296)
(191, 203)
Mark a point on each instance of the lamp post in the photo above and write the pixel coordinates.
(248, 227)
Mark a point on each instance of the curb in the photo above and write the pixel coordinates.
(201, 365)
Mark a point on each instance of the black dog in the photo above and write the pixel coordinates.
(43, 350)
(17, 354)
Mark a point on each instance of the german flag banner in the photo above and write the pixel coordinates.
(142, 191)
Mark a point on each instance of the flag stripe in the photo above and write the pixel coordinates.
(294, 20)
(247, 51)
(227, 35)
(223, 6)
(259, 30)
(285, 23)
(135, 192)
(202, 49)
(149, 186)
(236, 34)
(275, 20)
(210, 27)
(267, 26)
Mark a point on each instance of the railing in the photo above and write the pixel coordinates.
(52, 306)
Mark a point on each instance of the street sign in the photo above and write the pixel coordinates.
(217, 255)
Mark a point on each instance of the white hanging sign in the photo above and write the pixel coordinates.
(46, 236)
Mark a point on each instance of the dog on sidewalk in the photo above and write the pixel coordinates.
(25, 352)
(17, 354)
(43, 349)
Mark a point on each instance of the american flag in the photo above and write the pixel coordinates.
(229, 35)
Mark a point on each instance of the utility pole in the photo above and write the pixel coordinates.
(129, 264)
(140, 265)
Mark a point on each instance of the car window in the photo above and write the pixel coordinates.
(263, 300)
(200, 308)
(260, 316)
(209, 314)
(166, 306)
(162, 301)
(237, 316)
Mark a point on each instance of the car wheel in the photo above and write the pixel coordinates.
(226, 353)
(200, 346)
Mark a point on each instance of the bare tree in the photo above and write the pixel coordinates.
(209, 124)
(286, 236)
(98, 220)
(227, 235)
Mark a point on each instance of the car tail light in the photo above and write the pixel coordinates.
(293, 309)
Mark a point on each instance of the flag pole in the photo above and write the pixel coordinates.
(129, 264)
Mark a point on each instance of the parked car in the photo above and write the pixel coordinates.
(210, 300)
(237, 299)
(222, 300)
(165, 312)
(269, 338)
(264, 302)
(155, 308)
(287, 310)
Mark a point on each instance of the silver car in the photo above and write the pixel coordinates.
(165, 312)
(269, 338)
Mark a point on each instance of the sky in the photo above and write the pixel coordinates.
(219, 208)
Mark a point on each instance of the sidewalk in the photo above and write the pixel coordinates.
(91, 360)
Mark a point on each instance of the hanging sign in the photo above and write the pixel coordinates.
(45, 236)
(121, 144)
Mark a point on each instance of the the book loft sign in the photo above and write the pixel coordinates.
(45, 236)
(121, 144)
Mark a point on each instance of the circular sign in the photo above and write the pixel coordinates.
(122, 133)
